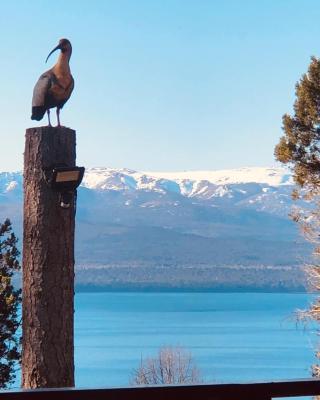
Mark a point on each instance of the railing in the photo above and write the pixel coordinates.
(247, 391)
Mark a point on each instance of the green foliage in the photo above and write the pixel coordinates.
(10, 299)
(300, 147)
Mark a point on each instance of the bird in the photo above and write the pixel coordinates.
(54, 87)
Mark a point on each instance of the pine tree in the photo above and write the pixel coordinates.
(299, 148)
(10, 298)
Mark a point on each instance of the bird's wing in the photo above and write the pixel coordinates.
(71, 85)
(41, 89)
(68, 92)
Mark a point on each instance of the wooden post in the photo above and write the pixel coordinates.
(48, 264)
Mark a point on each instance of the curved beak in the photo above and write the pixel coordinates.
(52, 51)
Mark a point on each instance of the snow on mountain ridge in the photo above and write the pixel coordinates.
(10, 181)
(263, 189)
(271, 176)
(11, 186)
(186, 182)
(199, 184)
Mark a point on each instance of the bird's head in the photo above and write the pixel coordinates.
(65, 47)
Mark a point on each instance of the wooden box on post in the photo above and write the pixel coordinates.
(48, 263)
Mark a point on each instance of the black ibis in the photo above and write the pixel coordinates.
(54, 86)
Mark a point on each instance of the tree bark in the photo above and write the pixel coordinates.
(48, 264)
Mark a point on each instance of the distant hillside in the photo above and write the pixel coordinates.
(197, 229)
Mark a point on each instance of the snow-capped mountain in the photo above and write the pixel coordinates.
(179, 220)
(264, 189)
(188, 183)
(270, 176)
(261, 189)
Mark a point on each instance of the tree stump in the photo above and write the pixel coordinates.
(48, 263)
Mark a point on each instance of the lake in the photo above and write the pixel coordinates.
(232, 336)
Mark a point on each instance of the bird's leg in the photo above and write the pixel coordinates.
(58, 116)
(48, 112)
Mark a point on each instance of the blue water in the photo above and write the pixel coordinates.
(232, 336)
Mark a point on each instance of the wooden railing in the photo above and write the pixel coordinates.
(247, 391)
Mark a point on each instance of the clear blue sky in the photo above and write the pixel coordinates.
(160, 84)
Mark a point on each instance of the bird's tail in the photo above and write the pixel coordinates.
(38, 112)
